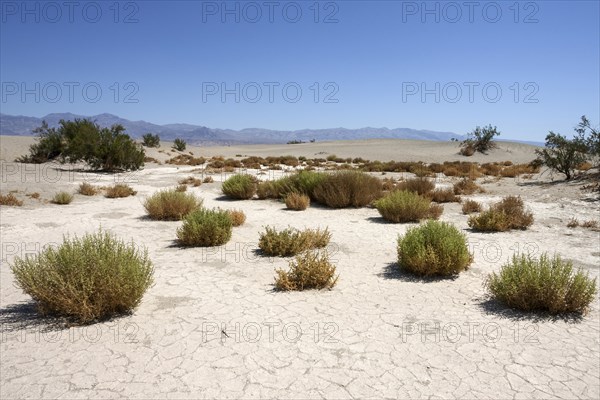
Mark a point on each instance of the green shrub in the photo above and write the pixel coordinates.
(303, 182)
(434, 248)
(107, 149)
(86, 279)
(179, 144)
(547, 284)
(205, 228)
(150, 140)
(171, 205)
(405, 206)
(297, 201)
(310, 270)
(481, 140)
(119, 190)
(348, 189)
(291, 241)
(62, 198)
(507, 214)
(240, 187)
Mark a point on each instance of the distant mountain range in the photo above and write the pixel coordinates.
(201, 135)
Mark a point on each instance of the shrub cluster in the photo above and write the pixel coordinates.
(86, 279)
(417, 185)
(240, 187)
(10, 200)
(443, 196)
(507, 214)
(310, 270)
(471, 206)
(171, 205)
(291, 241)
(205, 228)
(466, 186)
(544, 284)
(150, 140)
(405, 206)
(434, 248)
(347, 189)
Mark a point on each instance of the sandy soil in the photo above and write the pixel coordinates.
(212, 327)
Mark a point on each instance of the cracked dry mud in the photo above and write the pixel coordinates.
(212, 327)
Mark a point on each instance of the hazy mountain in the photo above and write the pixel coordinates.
(195, 134)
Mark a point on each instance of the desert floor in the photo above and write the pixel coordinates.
(212, 326)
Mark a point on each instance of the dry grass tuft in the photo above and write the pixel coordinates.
(311, 270)
(237, 217)
(443, 196)
(417, 185)
(119, 190)
(471, 206)
(467, 186)
(62, 198)
(10, 200)
(190, 180)
(297, 201)
(87, 189)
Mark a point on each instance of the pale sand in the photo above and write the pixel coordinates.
(381, 334)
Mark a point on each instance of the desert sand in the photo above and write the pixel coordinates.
(212, 326)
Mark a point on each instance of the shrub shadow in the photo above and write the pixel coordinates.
(22, 316)
(380, 220)
(393, 271)
(494, 307)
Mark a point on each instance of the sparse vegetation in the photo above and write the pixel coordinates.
(443, 196)
(181, 188)
(297, 201)
(208, 179)
(87, 279)
(291, 241)
(10, 200)
(87, 189)
(240, 187)
(205, 228)
(119, 190)
(420, 186)
(179, 144)
(347, 189)
(190, 180)
(237, 217)
(507, 214)
(544, 284)
(186, 159)
(171, 205)
(434, 248)
(471, 206)
(310, 270)
(467, 186)
(405, 206)
(62, 198)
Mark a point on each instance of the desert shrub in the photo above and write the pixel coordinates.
(119, 190)
(34, 195)
(471, 206)
(291, 241)
(237, 217)
(466, 186)
(10, 200)
(562, 154)
(107, 149)
(310, 270)
(417, 185)
(468, 149)
(544, 284)
(86, 279)
(443, 196)
(150, 140)
(573, 223)
(434, 248)
(491, 169)
(179, 144)
(186, 159)
(240, 187)
(405, 206)
(87, 189)
(208, 179)
(171, 205)
(190, 180)
(181, 188)
(480, 140)
(347, 189)
(331, 157)
(507, 214)
(591, 224)
(62, 198)
(205, 228)
(297, 201)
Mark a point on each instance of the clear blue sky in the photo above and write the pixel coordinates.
(374, 58)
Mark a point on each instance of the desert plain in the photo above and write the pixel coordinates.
(213, 327)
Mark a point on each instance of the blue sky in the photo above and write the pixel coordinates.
(526, 67)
